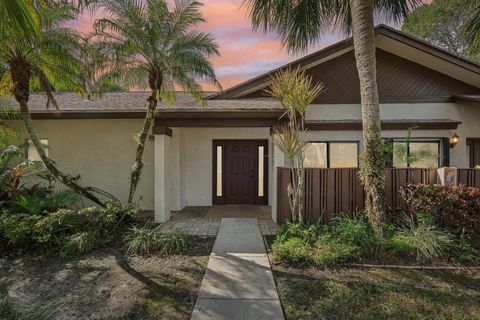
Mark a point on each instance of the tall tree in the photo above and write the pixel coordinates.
(471, 29)
(46, 56)
(442, 23)
(20, 15)
(301, 23)
(159, 49)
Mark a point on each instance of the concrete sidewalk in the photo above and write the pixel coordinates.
(238, 283)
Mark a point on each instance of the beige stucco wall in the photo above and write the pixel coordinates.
(101, 151)
(467, 113)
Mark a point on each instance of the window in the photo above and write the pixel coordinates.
(219, 171)
(261, 170)
(32, 153)
(331, 155)
(418, 154)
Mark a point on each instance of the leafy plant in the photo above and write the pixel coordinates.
(18, 228)
(296, 91)
(288, 230)
(425, 239)
(293, 250)
(456, 207)
(173, 243)
(79, 243)
(353, 230)
(333, 252)
(142, 240)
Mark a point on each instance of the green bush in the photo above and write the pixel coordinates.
(332, 252)
(79, 243)
(292, 250)
(351, 230)
(425, 239)
(308, 233)
(146, 240)
(142, 240)
(173, 243)
(464, 252)
(18, 228)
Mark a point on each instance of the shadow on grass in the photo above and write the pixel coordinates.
(361, 294)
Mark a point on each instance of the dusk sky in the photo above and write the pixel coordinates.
(244, 53)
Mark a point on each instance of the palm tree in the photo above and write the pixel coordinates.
(300, 24)
(158, 48)
(21, 15)
(472, 26)
(44, 56)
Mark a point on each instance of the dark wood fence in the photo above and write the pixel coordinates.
(332, 191)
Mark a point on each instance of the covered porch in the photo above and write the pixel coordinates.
(215, 159)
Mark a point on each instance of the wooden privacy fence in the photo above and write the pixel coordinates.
(332, 191)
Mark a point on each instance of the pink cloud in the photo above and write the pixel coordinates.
(244, 53)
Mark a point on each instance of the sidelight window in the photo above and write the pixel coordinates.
(219, 192)
(261, 170)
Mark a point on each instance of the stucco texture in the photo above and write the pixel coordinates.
(100, 151)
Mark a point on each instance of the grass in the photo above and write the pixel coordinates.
(378, 294)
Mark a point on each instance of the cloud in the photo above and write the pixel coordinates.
(244, 53)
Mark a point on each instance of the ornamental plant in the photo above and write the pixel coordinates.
(456, 208)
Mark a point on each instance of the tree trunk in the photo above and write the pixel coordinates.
(21, 74)
(372, 171)
(138, 165)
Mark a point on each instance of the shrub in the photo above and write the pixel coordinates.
(172, 243)
(79, 243)
(425, 239)
(455, 207)
(119, 210)
(142, 240)
(18, 228)
(308, 233)
(464, 252)
(292, 250)
(331, 252)
(352, 230)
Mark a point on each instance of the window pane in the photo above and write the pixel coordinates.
(424, 154)
(261, 169)
(219, 171)
(343, 155)
(32, 153)
(399, 155)
(316, 155)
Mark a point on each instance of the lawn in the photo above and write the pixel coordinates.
(310, 293)
(105, 284)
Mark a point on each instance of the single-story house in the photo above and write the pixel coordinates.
(223, 153)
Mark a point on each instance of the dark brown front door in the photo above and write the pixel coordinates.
(239, 172)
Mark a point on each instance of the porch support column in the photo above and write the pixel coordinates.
(162, 205)
(278, 161)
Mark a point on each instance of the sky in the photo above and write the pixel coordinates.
(244, 53)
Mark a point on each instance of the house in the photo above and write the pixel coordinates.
(223, 154)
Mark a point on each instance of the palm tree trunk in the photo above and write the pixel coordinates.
(138, 165)
(21, 78)
(372, 171)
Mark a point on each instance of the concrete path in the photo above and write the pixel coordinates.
(238, 283)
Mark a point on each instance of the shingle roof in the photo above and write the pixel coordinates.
(135, 102)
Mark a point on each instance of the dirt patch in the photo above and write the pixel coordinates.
(108, 285)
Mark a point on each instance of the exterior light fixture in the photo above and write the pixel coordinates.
(454, 140)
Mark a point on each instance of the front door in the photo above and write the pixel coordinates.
(239, 172)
